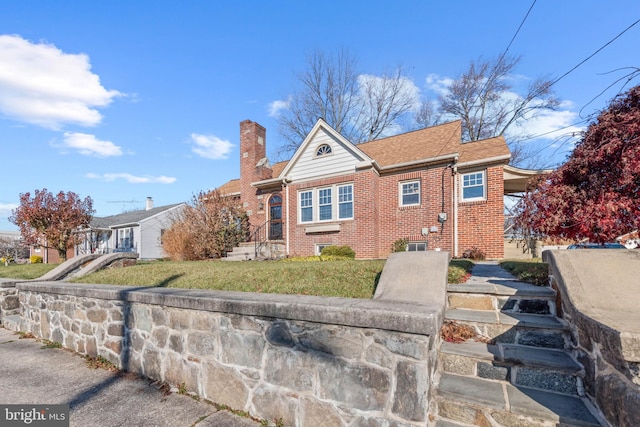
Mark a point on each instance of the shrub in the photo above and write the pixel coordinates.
(475, 254)
(338, 251)
(35, 259)
(400, 245)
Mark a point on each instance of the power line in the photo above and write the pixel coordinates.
(504, 53)
(553, 82)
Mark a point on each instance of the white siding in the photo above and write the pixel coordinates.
(340, 161)
(149, 245)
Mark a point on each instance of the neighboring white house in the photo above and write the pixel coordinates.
(136, 231)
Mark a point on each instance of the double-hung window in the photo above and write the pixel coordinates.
(345, 201)
(306, 206)
(473, 186)
(325, 207)
(410, 193)
(326, 203)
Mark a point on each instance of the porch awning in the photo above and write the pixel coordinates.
(515, 179)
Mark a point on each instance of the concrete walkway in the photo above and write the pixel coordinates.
(31, 374)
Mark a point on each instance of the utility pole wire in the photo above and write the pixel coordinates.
(592, 55)
(504, 53)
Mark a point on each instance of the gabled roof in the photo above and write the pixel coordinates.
(484, 150)
(321, 125)
(126, 218)
(435, 143)
(421, 144)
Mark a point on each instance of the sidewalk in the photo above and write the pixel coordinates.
(30, 374)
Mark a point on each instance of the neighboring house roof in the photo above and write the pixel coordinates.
(230, 188)
(129, 218)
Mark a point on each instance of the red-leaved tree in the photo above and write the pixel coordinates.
(50, 220)
(596, 193)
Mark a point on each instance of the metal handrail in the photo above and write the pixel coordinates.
(260, 237)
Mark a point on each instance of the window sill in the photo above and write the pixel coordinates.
(322, 228)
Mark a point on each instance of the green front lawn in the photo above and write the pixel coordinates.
(25, 271)
(532, 271)
(344, 278)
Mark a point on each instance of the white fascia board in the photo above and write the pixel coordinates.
(488, 160)
(331, 131)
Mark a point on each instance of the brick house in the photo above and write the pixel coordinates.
(424, 186)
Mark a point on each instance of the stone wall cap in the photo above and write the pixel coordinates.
(388, 315)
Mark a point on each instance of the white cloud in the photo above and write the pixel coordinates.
(41, 85)
(210, 146)
(551, 124)
(133, 179)
(89, 145)
(381, 85)
(440, 85)
(6, 208)
(276, 106)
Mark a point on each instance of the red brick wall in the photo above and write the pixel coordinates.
(378, 219)
(398, 222)
(253, 140)
(481, 224)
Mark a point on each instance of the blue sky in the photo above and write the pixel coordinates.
(121, 100)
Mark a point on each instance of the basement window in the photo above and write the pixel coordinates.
(416, 246)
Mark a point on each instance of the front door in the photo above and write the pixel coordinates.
(275, 217)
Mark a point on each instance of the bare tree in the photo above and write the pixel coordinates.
(427, 115)
(360, 107)
(482, 98)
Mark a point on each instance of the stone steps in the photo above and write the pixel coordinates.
(525, 376)
(541, 368)
(466, 401)
(514, 328)
(247, 251)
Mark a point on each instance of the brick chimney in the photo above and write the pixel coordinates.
(254, 166)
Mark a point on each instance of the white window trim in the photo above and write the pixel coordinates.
(335, 203)
(320, 246)
(338, 203)
(400, 194)
(300, 206)
(417, 244)
(484, 187)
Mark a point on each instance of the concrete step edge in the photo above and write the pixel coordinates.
(539, 321)
(521, 290)
(514, 355)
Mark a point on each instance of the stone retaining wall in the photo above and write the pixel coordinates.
(604, 328)
(306, 360)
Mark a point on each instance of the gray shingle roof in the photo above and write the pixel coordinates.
(129, 217)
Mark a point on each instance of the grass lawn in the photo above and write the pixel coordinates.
(25, 271)
(532, 271)
(352, 278)
(344, 278)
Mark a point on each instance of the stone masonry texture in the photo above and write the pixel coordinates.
(301, 372)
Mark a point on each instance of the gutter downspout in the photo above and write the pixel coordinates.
(286, 217)
(455, 209)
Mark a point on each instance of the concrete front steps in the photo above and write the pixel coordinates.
(247, 252)
(524, 377)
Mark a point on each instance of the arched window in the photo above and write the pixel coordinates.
(275, 217)
(323, 150)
